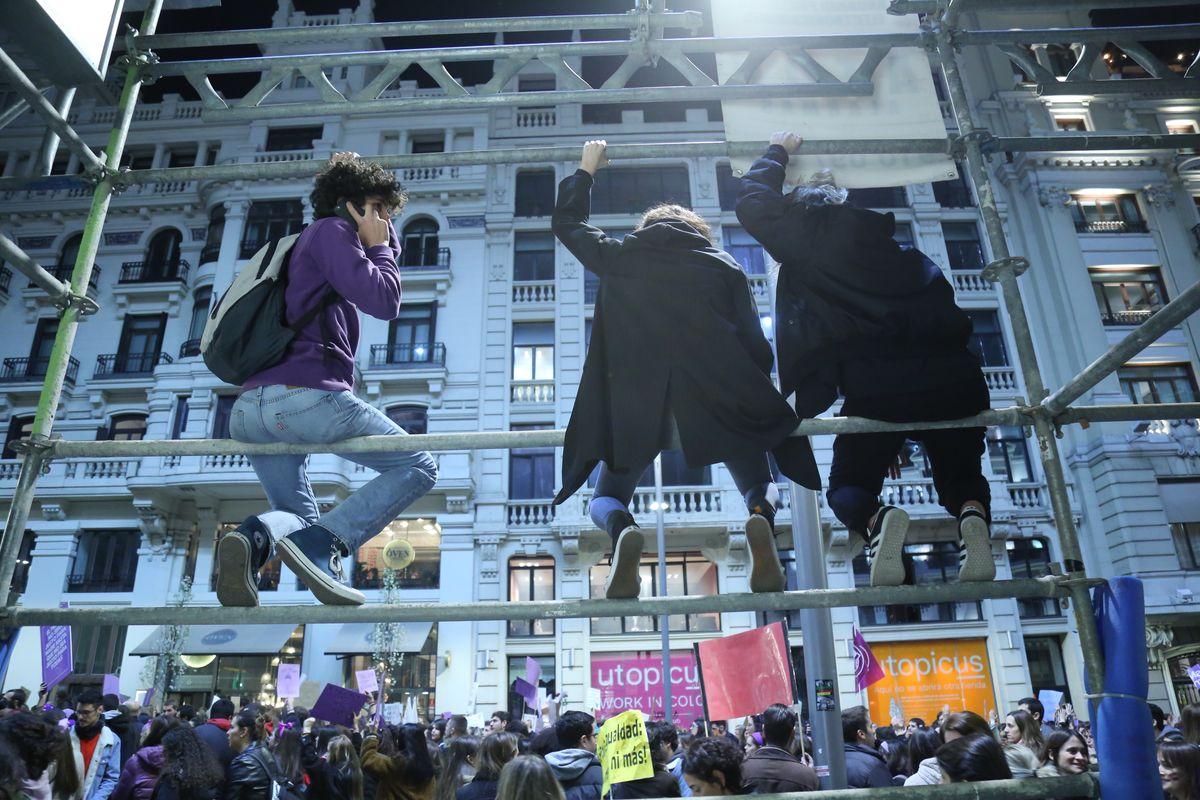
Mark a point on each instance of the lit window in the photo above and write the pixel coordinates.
(416, 561)
(1117, 213)
(1158, 383)
(1128, 296)
(1181, 126)
(687, 574)
(928, 564)
(1009, 454)
(530, 579)
(1071, 123)
(533, 351)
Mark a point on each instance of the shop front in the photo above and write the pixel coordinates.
(237, 662)
(633, 681)
(923, 678)
(413, 673)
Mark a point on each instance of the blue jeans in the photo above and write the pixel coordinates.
(310, 416)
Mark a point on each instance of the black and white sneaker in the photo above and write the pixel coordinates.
(624, 579)
(240, 555)
(766, 570)
(316, 555)
(885, 544)
(974, 547)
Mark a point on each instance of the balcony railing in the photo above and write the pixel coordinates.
(190, 348)
(442, 262)
(22, 370)
(968, 282)
(530, 513)
(5, 279)
(1131, 316)
(79, 583)
(1000, 379)
(909, 493)
(1112, 226)
(210, 252)
(532, 292)
(532, 392)
(536, 117)
(422, 354)
(141, 272)
(63, 273)
(124, 365)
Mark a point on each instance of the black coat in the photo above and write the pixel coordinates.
(217, 741)
(675, 331)
(662, 784)
(865, 768)
(771, 770)
(854, 310)
(478, 790)
(249, 776)
(168, 789)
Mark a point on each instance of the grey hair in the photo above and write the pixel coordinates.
(820, 190)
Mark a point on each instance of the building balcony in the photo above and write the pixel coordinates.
(210, 252)
(546, 117)
(530, 513)
(127, 365)
(190, 349)
(1112, 226)
(441, 262)
(435, 178)
(1001, 380)
(760, 287)
(532, 293)
(970, 284)
(531, 392)
(141, 272)
(422, 355)
(33, 370)
(84, 478)
(63, 273)
(1130, 316)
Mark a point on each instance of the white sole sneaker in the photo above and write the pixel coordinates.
(766, 570)
(235, 580)
(624, 580)
(975, 550)
(887, 565)
(323, 587)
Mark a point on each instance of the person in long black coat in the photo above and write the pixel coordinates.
(858, 313)
(677, 351)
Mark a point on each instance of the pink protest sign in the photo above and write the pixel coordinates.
(368, 680)
(633, 681)
(288, 681)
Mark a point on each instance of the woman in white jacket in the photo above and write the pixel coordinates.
(954, 726)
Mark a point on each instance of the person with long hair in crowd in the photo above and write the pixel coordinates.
(528, 778)
(35, 745)
(250, 773)
(973, 758)
(141, 771)
(1189, 721)
(1064, 753)
(959, 725)
(337, 776)
(496, 750)
(712, 767)
(399, 760)
(190, 770)
(1179, 770)
(920, 757)
(1023, 741)
(458, 765)
(288, 750)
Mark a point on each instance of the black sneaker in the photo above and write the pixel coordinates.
(885, 544)
(766, 570)
(974, 547)
(624, 578)
(240, 555)
(315, 555)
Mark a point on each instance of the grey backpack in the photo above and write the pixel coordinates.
(247, 329)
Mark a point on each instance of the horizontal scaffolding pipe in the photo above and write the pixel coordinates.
(32, 95)
(934, 6)
(1071, 786)
(691, 20)
(1136, 33)
(654, 47)
(641, 94)
(535, 609)
(506, 440)
(1141, 337)
(10, 252)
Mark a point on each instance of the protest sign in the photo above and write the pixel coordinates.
(367, 679)
(56, 654)
(112, 685)
(338, 705)
(1194, 673)
(623, 750)
(287, 681)
(309, 692)
(744, 673)
(1051, 700)
(393, 713)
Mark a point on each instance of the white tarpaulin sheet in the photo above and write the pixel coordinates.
(903, 106)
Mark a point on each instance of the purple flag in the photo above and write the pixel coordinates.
(56, 654)
(533, 671)
(339, 706)
(112, 685)
(527, 690)
(867, 669)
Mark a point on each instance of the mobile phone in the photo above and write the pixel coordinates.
(342, 210)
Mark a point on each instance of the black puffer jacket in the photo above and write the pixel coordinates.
(248, 776)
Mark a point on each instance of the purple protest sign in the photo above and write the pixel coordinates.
(526, 690)
(112, 685)
(339, 706)
(56, 654)
(287, 682)
(533, 671)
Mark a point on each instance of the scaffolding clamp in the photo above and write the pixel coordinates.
(85, 305)
(41, 445)
(136, 57)
(988, 143)
(1001, 268)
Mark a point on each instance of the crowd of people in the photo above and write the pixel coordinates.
(95, 747)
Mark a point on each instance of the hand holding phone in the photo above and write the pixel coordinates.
(372, 229)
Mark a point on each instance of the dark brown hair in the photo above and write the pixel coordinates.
(496, 750)
(670, 212)
(346, 175)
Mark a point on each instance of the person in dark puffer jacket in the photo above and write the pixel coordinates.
(575, 764)
(141, 772)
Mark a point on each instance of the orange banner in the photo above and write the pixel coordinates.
(923, 677)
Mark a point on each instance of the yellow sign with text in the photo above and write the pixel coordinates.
(624, 750)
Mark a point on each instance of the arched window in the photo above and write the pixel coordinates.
(162, 256)
(414, 419)
(70, 250)
(212, 239)
(420, 243)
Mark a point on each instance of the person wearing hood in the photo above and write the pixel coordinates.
(677, 360)
(141, 772)
(860, 316)
(575, 764)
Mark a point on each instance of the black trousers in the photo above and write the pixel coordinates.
(861, 462)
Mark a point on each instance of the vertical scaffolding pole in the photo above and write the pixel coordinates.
(43, 422)
(1005, 268)
(664, 621)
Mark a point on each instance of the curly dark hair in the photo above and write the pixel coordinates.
(347, 175)
(705, 757)
(190, 763)
(36, 742)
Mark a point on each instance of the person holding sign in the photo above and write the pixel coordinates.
(575, 763)
(677, 352)
(662, 783)
(860, 315)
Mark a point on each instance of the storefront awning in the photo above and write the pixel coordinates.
(354, 638)
(223, 640)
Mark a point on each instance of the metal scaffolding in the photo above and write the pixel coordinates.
(939, 34)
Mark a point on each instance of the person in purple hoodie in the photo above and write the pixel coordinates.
(308, 396)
